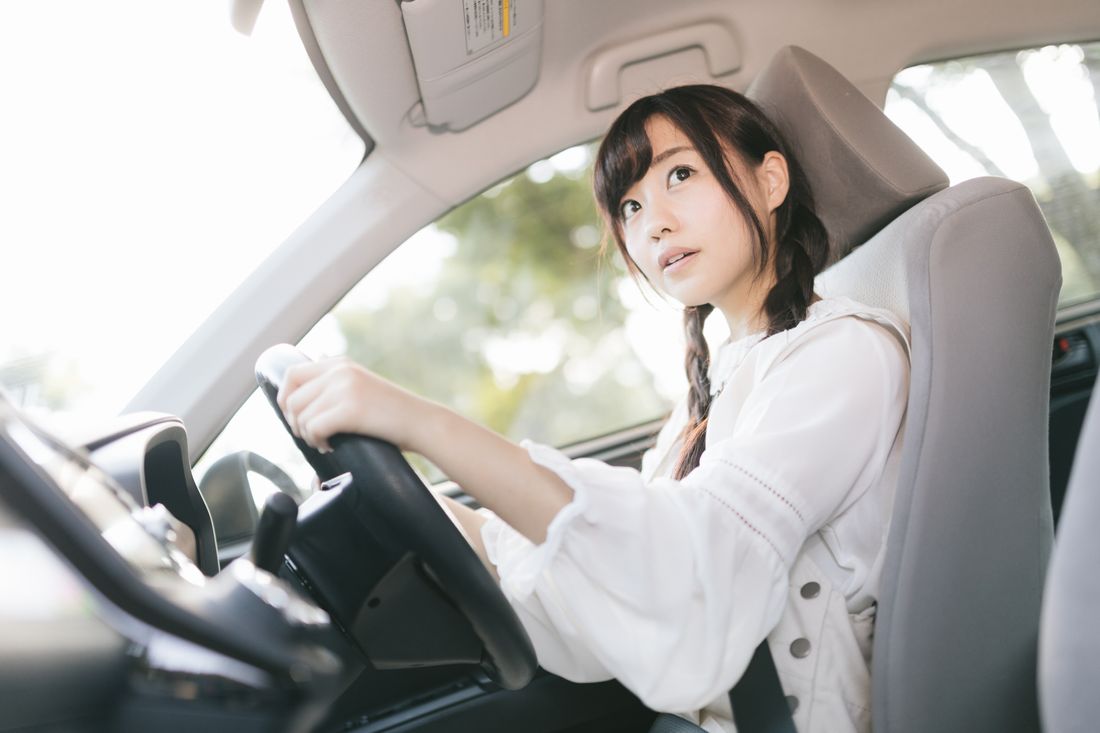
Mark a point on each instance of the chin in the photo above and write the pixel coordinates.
(688, 296)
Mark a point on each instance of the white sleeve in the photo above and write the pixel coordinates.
(669, 585)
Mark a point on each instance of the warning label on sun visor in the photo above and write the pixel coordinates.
(487, 21)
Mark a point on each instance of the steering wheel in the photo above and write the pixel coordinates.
(389, 545)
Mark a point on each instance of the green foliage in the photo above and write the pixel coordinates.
(522, 330)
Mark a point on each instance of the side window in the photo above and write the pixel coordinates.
(504, 311)
(1029, 115)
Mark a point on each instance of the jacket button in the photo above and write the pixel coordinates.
(810, 590)
(800, 648)
(792, 703)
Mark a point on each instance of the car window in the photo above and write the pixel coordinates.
(152, 158)
(1029, 115)
(504, 310)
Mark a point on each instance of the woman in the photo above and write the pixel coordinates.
(763, 507)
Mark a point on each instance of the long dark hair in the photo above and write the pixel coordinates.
(716, 120)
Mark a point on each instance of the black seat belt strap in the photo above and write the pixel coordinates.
(758, 702)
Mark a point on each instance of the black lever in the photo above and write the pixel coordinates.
(273, 532)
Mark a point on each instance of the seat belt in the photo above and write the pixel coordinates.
(758, 702)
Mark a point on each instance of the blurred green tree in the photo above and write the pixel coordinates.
(523, 329)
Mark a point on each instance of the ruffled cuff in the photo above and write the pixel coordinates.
(519, 561)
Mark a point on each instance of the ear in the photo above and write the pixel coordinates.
(773, 178)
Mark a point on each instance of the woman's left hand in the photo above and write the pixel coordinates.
(324, 398)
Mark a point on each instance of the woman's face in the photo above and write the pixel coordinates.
(682, 230)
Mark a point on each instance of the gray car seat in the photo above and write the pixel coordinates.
(974, 271)
(1069, 643)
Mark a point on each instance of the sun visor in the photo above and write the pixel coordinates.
(472, 57)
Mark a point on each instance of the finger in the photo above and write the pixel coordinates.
(301, 398)
(293, 378)
(297, 375)
(303, 419)
(330, 412)
(321, 420)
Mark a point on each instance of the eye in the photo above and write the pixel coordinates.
(679, 174)
(629, 208)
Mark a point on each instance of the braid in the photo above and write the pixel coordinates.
(724, 127)
(801, 249)
(786, 303)
(696, 364)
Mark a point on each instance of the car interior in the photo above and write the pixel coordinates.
(358, 606)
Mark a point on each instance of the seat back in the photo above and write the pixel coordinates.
(1069, 639)
(974, 271)
(958, 613)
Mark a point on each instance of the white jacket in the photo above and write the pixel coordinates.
(669, 585)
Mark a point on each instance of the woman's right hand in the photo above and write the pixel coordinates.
(321, 399)
(324, 398)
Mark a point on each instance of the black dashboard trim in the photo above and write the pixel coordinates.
(35, 496)
(126, 425)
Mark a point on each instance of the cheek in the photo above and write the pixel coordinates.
(637, 253)
(739, 229)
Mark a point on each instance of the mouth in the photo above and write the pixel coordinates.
(677, 260)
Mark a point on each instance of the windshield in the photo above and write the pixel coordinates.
(152, 158)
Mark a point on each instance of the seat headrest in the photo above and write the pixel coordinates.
(863, 170)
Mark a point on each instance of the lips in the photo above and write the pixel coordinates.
(674, 256)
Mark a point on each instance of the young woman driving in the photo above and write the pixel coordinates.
(761, 511)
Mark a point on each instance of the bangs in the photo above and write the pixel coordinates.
(625, 154)
(623, 159)
(721, 127)
(725, 129)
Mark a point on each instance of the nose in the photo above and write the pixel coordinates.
(660, 220)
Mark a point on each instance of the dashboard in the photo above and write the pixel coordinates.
(107, 624)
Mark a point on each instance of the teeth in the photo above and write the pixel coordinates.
(676, 259)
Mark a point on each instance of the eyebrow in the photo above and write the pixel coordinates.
(668, 153)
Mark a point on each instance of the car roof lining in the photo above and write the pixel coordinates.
(320, 65)
(868, 42)
(413, 175)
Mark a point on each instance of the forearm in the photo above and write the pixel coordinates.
(327, 398)
(492, 469)
(470, 522)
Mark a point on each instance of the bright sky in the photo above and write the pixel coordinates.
(152, 157)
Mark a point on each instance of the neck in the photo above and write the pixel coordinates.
(746, 316)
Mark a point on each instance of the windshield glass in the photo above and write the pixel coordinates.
(152, 158)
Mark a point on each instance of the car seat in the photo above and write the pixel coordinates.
(1069, 644)
(974, 271)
